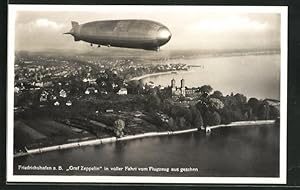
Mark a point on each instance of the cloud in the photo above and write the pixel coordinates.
(40, 33)
(232, 23)
(45, 23)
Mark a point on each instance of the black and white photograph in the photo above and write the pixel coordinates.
(147, 94)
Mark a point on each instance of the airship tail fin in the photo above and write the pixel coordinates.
(74, 24)
(74, 30)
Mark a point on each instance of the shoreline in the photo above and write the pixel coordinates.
(138, 136)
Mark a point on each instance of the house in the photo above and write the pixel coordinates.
(56, 103)
(63, 93)
(91, 90)
(151, 84)
(47, 84)
(69, 103)
(16, 89)
(122, 91)
(114, 85)
(274, 103)
(103, 91)
(103, 83)
(53, 97)
(40, 84)
(44, 96)
(90, 80)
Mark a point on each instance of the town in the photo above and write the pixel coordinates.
(61, 99)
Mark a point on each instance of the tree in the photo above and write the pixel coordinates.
(237, 100)
(197, 120)
(182, 123)
(226, 115)
(167, 106)
(274, 112)
(178, 111)
(154, 102)
(237, 115)
(202, 106)
(217, 94)
(263, 111)
(171, 122)
(240, 98)
(153, 91)
(188, 116)
(206, 89)
(135, 87)
(118, 127)
(215, 104)
(140, 87)
(253, 103)
(212, 118)
(181, 98)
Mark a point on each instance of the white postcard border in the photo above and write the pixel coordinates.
(283, 10)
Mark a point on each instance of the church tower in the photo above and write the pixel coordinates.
(182, 87)
(173, 86)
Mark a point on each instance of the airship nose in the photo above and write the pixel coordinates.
(164, 35)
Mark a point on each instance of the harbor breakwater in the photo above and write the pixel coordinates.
(100, 141)
(151, 75)
(161, 74)
(240, 124)
(139, 136)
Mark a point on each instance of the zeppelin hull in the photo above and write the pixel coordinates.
(142, 34)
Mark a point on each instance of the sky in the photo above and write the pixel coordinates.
(191, 27)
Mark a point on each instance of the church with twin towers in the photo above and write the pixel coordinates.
(178, 91)
(182, 90)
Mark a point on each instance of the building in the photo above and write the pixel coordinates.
(62, 93)
(56, 103)
(44, 96)
(122, 91)
(183, 91)
(16, 89)
(102, 91)
(274, 103)
(109, 111)
(69, 103)
(151, 84)
(178, 91)
(91, 90)
(90, 80)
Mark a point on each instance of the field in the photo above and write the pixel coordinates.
(32, 133)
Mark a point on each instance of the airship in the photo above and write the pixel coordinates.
(138, 34)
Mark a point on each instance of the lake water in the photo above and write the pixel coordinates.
(240, 151)
(252, 75)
